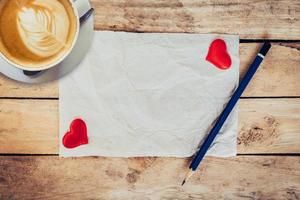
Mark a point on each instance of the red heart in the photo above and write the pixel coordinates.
(218, 54)
(77, 135)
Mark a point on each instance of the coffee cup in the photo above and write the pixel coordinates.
(36, 35)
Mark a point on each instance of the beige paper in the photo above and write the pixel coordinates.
(149, 94)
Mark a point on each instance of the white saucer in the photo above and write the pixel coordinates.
(81, 47)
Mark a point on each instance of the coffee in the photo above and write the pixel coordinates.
(36, 33)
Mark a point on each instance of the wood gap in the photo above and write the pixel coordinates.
(239, 154)
(30, 98)
(56, 98)
(271, 97)
(268, 40)
(269, 154)
(19, 154)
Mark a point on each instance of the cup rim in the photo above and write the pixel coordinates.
(75, 10)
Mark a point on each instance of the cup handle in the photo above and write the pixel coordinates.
(30, 73)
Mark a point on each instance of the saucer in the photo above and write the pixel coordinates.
(80, 49)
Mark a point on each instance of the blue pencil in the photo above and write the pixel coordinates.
(230, 105)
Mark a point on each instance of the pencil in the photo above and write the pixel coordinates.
(227, 110)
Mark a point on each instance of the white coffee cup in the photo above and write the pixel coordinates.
(59, 59)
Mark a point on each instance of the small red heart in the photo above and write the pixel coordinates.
(218, 55)
(77, 135)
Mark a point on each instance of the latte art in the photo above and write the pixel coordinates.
(43, 32)
(36, 33)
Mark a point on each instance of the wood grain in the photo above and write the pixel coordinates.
(269, 126)
(277, 76)
(29, 125)
(12, 88)
(250, 19)
(267, 177)
(265, 126)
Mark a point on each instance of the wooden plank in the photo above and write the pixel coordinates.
(11, 88)
(29, 125)
(265, 126)
(269, 126)
(278, 75)
(266, 177)
(250, 19)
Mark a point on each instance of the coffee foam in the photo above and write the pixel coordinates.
(40, 32)
(43, 27)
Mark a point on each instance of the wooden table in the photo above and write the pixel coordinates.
(268, 162)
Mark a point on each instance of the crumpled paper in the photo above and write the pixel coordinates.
(149, 94)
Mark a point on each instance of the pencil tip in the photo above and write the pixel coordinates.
(183, 182)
